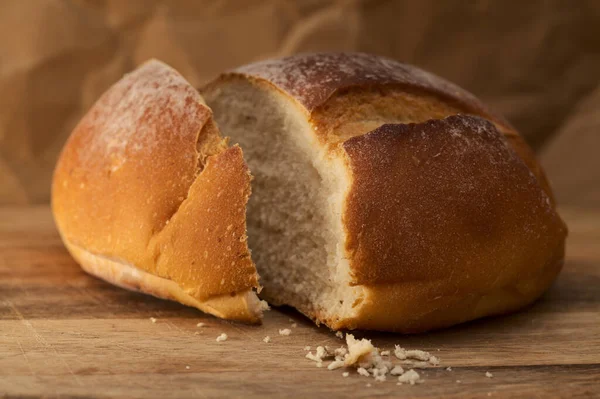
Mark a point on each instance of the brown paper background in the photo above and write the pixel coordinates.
(538, 62)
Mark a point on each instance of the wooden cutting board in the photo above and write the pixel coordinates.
(64, 333)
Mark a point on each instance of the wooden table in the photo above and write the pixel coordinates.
(64, 333)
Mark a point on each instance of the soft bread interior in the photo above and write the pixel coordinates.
(294, 213)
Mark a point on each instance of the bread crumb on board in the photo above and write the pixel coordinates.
(285, 332)
(370, 361)
(222, 337)
(336, 364)
(411, 377)
(200, 324)
(153, 319)
(267, 339)
(488, 374)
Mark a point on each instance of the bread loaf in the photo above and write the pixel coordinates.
(383, 197)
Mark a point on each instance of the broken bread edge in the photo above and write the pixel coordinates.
(146, 195)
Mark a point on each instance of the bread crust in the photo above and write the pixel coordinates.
(446, 220)
(313, 78)
(242, 306)
(449, 215)
(146, 179)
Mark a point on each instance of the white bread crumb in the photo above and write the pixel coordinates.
(200, 325)
(319, 364)
(222, 337)
(400, 352)
(362, 371)
(397, 370)
(385, 353)
(321, 352)
(448, 368)
(458, 381)
(434, 360)
(357, 349)
(153, 320)
(264, 306)
(378, 371)
(197, 333)
(267, 339)
(339, 334)
(187, 367)
(285, 331)
(345, 374)
(418, 355)
(380, 378)
(411, 376)
(307, 348)
(419, 365)
(340, 353)
(488, 374)
(336, 364)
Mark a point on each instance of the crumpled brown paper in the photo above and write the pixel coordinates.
(571, 158)
(530, 60)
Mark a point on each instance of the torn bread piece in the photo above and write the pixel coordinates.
(148, 196)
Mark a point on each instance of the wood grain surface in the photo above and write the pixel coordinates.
(66, 334)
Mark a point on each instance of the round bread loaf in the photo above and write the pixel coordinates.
(148, 196)
(385, 197)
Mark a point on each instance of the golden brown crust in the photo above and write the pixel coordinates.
(447, 214)
(423, 306)
(313, 78)
(243, 306)
(145, 178)
(421, 192)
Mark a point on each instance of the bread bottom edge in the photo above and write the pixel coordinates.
(243, 306)
(410, 311)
